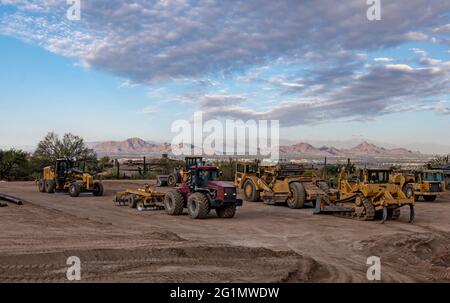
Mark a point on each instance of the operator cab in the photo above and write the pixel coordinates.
(203, 174)
(429, 176)
(377, 176)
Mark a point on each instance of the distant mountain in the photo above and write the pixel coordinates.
(362, 149)
(131, 146)
(135, 146)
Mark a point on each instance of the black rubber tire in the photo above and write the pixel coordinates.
(408, 190)
(298, 195)
(131, 201)
(198, 206)
(140, 205)
(49, 186)
(174, 203)
(74, 190)
(429, 198)
(98, 189)
(253, 196)
(41, 186)
(172, 180)
(226, 211)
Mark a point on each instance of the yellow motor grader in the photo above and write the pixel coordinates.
(428, 184)
(288, 183)
(366, 195)
(66, 175)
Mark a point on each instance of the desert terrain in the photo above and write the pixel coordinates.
(261, 244)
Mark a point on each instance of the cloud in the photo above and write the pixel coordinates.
(383, 59)
(419, 51)
(147, 41)
(442, 29)
(310, 60)
(377, 92)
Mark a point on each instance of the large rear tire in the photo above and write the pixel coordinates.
(298, 195)
(41, 186)
(74, 190)
(250, 192)
(174, 203)
(49, 186)
(98, 189)
(429, 198)
(226, 211)
(198, 206)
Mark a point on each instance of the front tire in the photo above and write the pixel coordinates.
(226, 211)
(198, 206)
(250, 192)
(172, 180)
(298, 195)
(49, 186)
(98, 189)
(174, 203)
(41, 186)
(409, 191)
(74, 190)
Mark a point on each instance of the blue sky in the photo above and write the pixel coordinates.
(130, 68)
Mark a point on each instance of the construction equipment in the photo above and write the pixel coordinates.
(180, 174)
(428, 184)
(202, 192)
(66, 175)
(282, 183)
(366, 195)
(142, 198)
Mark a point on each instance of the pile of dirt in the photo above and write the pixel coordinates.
(420, 256)
(164, 264)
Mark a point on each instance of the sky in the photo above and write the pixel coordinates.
(130, 68)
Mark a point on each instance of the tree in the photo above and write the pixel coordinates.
(70, 146)
(438, 161)
(13, 163)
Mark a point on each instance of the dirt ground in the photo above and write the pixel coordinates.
(261, 244)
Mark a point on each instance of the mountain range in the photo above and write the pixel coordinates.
(136, 146)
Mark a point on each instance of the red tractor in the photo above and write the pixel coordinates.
(201, 193)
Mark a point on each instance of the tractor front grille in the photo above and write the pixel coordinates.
(230, 194)
(435, 187)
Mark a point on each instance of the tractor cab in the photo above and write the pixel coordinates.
(62, 168)
(244, 170)
(432, 180)
(377, 176)
(432, 176)
(201, 175)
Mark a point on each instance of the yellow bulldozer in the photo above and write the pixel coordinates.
(288, 183)
(367, 195)
(67, 175)
(427, 184)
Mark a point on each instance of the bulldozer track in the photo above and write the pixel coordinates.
(368, 213)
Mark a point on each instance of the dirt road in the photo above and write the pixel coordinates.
(261, 244)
